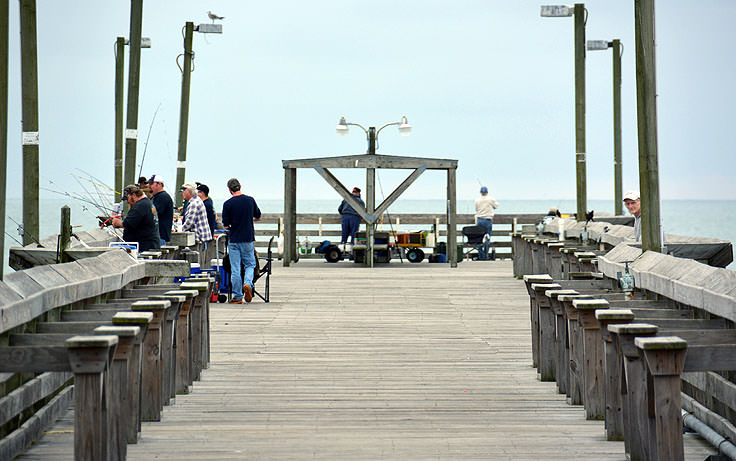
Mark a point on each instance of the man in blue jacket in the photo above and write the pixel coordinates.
(350, 218)
(238, 214)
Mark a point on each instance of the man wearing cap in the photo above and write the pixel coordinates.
(238, 214)
(350, 218)
(140, 224)
(164, 207)
(633, 204)
(195, 216)
(204, 193)
(484, 211)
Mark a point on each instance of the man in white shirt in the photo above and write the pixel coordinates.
(484, 211)
(633, 204)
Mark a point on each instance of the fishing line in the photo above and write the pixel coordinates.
(22, 231)
(145, 147)
(390, 224)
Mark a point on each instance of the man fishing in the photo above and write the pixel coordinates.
(141, 223)
(164, 207)
(350, 218)
(195, 217)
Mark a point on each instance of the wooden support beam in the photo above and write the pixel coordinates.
(452, 217)
(399, 190)
(345, 194)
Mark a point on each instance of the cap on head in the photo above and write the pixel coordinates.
(356, 190)
(631, 195)
(156, 178)
(203, 188)
(483, 190)
(189, 186)
(131, 189)
(233, 184)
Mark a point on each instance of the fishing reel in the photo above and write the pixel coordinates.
(626, 281)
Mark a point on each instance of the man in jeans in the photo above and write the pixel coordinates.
(484, 211)
(238, 214)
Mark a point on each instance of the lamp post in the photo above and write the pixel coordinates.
(581, 16)
(343, 129)
(186, 78)
(598, 45)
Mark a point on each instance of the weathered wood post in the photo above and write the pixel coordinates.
(183, 337)
(169, 343)
(561, 359)
(118, 372)
(198, 326)
(546, 352)
(65, 234)
(554, 259)
(134, 74)
(3, 124)
(580, 165)
(152, 380)
(186, 78)
(289, 216)
(451, 217)
(646, 102)
(617, 157)
(135, 369)
(119, 108)
(593, 378)
(575, 351)
(89, 357)
(30, 138)
(636, 420)
(614, 405)
(534, 312)
(665, 358)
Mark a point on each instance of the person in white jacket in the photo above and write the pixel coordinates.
(484, 211)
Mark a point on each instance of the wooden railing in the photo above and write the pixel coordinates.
(317, 227)
(98, 324)
(626, 355)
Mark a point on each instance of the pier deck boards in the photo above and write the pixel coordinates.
(400, 362)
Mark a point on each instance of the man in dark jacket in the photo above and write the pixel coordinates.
(350, 218)
(141, 224)
(238, 214)
(164, 207)
(204, 193)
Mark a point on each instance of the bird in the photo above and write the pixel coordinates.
(213, 16)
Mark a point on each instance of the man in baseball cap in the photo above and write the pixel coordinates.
(164, 207)
(632, 202)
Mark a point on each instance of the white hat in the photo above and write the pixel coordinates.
(631, 195)
(156, 178)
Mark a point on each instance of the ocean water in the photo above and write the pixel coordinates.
(702, 218)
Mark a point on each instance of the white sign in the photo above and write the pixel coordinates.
(131, 133)
(30, 138)
(181, 164)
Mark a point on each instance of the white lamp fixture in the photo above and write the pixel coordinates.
(598, 45)
(404, 127)
(556, 11)
(342, 128)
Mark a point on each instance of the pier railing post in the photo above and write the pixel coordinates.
(134, 74)
(119, 107)
(65, 234)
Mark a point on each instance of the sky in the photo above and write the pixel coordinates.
(488, 83)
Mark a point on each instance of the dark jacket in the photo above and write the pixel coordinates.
(165, 210)
(141, 225)
(345, 209)
(238, 213)
(211, 216)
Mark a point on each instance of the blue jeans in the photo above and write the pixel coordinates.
(241, 252)
(163, 242)
(350, 225)
(483, 248)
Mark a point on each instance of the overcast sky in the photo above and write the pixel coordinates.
(488, 83)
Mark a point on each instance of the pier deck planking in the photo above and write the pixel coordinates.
(412, 361)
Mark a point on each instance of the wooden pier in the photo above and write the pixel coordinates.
(405, 361)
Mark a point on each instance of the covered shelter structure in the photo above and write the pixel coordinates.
(370, 213)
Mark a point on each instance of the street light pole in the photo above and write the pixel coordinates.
(370, 175)
(580, 165)
(617, 157)
(580, 13)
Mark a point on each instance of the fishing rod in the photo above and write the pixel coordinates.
(145, 147)
(390, 224)
(80, 199)
(102, 200)
(22, 232)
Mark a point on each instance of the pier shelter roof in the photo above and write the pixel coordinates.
(370, 212)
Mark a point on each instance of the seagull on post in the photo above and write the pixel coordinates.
(213, 16)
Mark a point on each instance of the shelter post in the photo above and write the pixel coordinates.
(370, 205)
(289, 216)
(451, 218)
